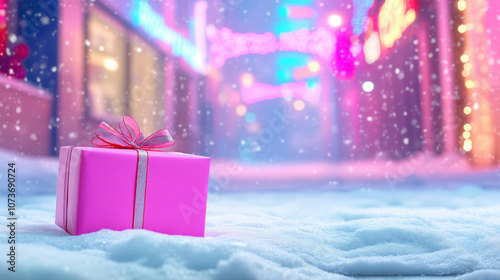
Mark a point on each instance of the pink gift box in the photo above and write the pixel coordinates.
(97, 189)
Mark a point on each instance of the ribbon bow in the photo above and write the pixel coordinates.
(130, 137)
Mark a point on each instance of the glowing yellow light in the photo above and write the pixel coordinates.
(466, 134)
(461, 5)
(313, 66)
(469, 84)
(410, 16)
(462, 28)
(393, 21)
(467, 110)
(334, 20)
(467, 127)
(467, 66)
(299, 105)
(247, 79)
(371, 48)
(466, 73)
(464, 58)
(467, 147)
(110, 64)
(241, 110)
(468, 141)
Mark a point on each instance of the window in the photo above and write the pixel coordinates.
(147, 101)
(125, 74)
(106, 46)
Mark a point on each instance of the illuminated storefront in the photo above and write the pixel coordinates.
(127, 59)
(476, 57)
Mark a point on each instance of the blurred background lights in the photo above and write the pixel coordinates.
(241, 110)
(247, 80)
(334, 20)
(313, 66)
(467, 127)
(410, 16)
(468, 145)
(461, 5)
(299, 105)
(467, 110)
(368, 86)
(110, 64)
(464, 58)
(250, 117)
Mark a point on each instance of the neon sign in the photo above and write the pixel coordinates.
(255, 92)
(320, 42)
(394, 18)
(153, 24)
(371, 49)
(292, 11)
(227, 44)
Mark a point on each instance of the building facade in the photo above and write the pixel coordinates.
(97, 61)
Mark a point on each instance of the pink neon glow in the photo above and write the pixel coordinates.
(343, 62)
(320, 42)
(260, 91)
(3, 24)
(200, 22)
(300, 12)
(226, 44)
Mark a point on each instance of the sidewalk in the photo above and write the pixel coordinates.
(421, 170)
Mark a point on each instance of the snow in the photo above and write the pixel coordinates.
(441, 233)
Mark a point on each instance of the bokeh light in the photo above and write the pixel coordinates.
(250, 117)
(110, 64)
(299, 105)
(410, 16)
(334, 20)
(368, 86)
(468, 146)
(241, 110)
(313, 66)
(464, 58)
(461, 5)
(247, 80)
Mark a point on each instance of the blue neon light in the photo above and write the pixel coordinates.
(146, 18)
(292, 60)
(290, 26)
(250, 117)
(360, 13)
(312, 83)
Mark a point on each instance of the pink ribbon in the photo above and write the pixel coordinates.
(130, 137)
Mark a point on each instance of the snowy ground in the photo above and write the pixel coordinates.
(365, 234)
